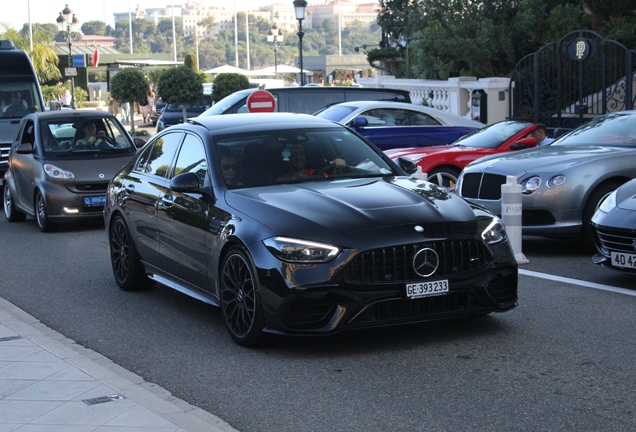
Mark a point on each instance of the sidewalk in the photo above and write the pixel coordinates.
(50, 383)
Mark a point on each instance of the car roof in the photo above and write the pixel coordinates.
(236, 123)
(73, 114)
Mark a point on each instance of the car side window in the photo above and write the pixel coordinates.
(160, 155)
(28, 133)
(421, 119)
(192, 159)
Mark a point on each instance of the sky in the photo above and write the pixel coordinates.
(16, 12)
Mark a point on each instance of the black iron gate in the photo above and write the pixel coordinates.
(569, 82)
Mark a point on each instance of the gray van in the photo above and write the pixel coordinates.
(307, 100)
(20, 94)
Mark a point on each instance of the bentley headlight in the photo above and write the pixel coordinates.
(495, 232)
(300, 251)
(609, 203)
(58, 173)
(530, 185)
(556, 180)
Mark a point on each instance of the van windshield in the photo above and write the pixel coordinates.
(19, 97)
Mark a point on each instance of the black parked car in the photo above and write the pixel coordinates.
(215, 210)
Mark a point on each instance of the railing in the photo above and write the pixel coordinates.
(456, 95)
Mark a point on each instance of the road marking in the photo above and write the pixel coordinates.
(578, 282)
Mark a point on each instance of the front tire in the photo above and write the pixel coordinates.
(595, 199)
(445, 177)
(240, 301)
(42, 214)
(10, 211)
(127, 268)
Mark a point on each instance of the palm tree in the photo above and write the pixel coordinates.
(43, 56)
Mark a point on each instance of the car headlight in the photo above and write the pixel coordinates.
(530, 185)
(300, 251)
(556, 180)
(58, 173)
(609, 203)
(495, 232)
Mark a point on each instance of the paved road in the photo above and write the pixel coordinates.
(563, 360)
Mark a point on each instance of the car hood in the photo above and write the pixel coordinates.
(417, 153)
(327, 210)
(626, 196)
(92, 170)
(546, 159)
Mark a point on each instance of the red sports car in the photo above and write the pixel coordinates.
(443, 164)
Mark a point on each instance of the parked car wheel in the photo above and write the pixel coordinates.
(596, 198)
(445, 177)
(42, 214)
(127, 268)
(240, 301)
(11, 213)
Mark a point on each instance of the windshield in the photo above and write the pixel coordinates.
(19, 97)
(492, 136)
(70, 136)
(336, 112)
(617, 129)
(226, 103)
(191, 108)
(286, 156)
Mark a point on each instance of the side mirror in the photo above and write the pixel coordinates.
(407, 165)
(524, 143)
(185, 182)
(139, 142)
(25, 148)
(360, 122)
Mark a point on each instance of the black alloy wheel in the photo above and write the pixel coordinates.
(127, 268)
(593, 202)
(10, 211)
(42, 214)
(240, 301)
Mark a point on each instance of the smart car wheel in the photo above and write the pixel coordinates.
(240, 302)
(10, 211)
(127, 268)
(42, 214)
(445, 177)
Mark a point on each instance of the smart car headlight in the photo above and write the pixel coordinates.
(530, 185)
(58, 173)
(300, 251)
(609, 203)
(494, 232)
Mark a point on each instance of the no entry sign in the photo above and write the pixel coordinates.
(261, 101)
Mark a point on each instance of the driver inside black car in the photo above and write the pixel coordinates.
(297, 165)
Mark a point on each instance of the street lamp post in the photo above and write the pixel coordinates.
(67, 21)
(275, 37)
(300, 6)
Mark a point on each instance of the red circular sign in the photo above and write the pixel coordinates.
(261, 101)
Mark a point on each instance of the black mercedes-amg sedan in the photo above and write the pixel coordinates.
(292, 224)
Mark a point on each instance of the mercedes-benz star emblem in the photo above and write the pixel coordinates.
(425, 262)
(419, 228)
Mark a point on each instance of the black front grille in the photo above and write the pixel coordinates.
(92, 187)
(395, 264)
(310, 313)
(619, 240)
(503, 287)
(482, 186)
(427, 307)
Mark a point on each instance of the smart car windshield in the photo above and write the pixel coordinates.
(492, 136)
(617, 129)
(62, 137)
(285, 156)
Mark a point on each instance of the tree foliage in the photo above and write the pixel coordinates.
(227, 83)
(180, 85)
(442, 38)
(129, 85)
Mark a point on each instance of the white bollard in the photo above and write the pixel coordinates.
(511, 215)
